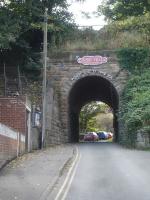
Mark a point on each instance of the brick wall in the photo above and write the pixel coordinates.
(13, 113)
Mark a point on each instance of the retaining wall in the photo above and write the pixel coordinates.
(12, 144)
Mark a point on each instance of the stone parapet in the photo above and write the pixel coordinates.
(143, 139)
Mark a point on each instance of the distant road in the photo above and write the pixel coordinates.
(109, 172)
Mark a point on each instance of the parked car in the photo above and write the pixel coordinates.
(110, 135)
(81, 136)
(102, 135)
(91, 136)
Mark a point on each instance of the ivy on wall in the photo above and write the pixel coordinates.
(134, 112)
(135, 60)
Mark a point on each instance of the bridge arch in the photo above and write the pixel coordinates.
(70, 85)
(86, 89)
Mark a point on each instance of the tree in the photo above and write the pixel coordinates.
(104, 121)
(128, 22)
(87, 114)
(120, 9)
(21, 33)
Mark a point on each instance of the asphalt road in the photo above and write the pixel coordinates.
(111, 172)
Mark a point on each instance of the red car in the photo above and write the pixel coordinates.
(91, 136)
(110, 135)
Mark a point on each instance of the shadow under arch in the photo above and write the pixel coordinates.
(85, 90)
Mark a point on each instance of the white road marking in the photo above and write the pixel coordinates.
(66, 184)
(71, 179)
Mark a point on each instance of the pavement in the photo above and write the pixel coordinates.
(38, 175)
(2, 163)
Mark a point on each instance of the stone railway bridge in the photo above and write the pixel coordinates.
(71, 85)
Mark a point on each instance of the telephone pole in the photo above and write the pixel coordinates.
(44, 78)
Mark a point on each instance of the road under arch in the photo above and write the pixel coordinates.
(85, 90)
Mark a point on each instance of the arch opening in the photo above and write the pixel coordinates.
(85, 90)
(96, 116)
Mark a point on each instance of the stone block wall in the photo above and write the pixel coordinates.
(53, 122)
(143, 140)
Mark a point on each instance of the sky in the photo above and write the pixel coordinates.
(88, 6)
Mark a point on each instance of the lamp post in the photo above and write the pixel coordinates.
(44, 78)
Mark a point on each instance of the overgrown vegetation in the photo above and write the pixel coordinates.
(120, 34)
(135, 101)
(135, 60)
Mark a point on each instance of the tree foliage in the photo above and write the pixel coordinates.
(104, 122)
(120, 9)
(128, 23)
(21, 32)
(88, 113)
